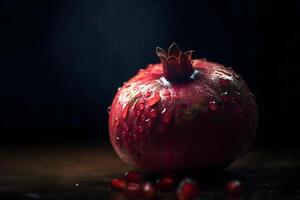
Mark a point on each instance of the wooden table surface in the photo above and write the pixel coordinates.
(83, 172)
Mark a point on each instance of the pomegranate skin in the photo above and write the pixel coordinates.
(201, 123)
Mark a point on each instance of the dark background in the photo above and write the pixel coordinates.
(61, 62)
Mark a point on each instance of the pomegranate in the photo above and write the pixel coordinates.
(234, 188)
(165, 183)
(182, 114)
(149, 191)
(118, 184)
(133, 190)
(187, 189)
(132, 176)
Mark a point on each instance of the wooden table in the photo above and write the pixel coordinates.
(83, 172)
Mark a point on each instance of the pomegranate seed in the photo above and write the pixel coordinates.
(187, 190)
(133, 190)
(132, 176)
(148, 190)
(117, 121)
(166, 183)
(117, 184)
(234, 188)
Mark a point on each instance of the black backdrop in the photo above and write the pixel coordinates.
(62, 61)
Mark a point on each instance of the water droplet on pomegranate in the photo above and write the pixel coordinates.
(118, 140)
(224, 82)
(141, 129)
(154, 100)
(212, 105)
(141, 70)
(123, 135)
(127, 85)
(117, 121)
(238, 77)
(153, 113)
(148, 121)
(134, 136)
(119, 88)
(238, 98)
(141, 106)
(166, 115)
(108, 109)
(138, 95)
(177, 97)
(167, 93)
(126, 129)
(224, 96)
(125, 111)
(148, 93)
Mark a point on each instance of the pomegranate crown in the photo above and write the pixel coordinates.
(177, 65)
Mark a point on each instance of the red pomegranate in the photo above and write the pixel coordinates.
(182, 114)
